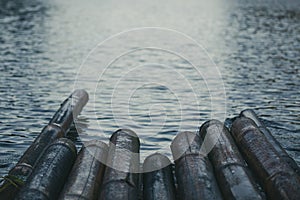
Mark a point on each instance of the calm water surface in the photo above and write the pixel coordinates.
(154, 91)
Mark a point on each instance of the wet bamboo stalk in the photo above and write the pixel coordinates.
(249, 113)
(279, 180)
(193, 170)
(121, 180)
(86, 176)
(158, 181)
(50, 173)
(230, 169)
(69, 110)
(57, 128)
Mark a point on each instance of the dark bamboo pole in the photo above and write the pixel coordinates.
(230, 169)
(57, 128)
(249, 113)
(51, 172)
(279, 180)
(121, 180)
(86, 176)
(193, 170)
(158, 181)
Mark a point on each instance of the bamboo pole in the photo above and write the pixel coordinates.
(86, 176)
(279, 180)
(57, 128)
(51, 172)
(231, 171)
(249, 113)
(121, 180)
(158, 181)
(193, 170)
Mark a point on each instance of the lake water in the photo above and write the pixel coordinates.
(156, 67)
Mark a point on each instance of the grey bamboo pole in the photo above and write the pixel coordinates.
(279, 180)
(86, 176)
(51, 172)
(193, 170)
(249, 113)
(158, 181)
(121, 180)
(57, 128)
(231, 171)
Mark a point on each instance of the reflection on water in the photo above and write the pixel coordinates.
(42, 44)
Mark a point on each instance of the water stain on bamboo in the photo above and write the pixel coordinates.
(69, 110)
(56, 128)
(230, 169)
(51, 172)
(121, 180)
(86, 176)
(158, 181)
(249, 113)
(193, 170)
(279, 180)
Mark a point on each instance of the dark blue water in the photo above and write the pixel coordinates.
(205, 60)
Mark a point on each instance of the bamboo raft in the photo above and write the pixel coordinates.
(246, 162)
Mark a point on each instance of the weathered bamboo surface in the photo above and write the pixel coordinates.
(245, 162)
(58, 126)
(193, 170)
(158, 181)
(230, 169)
(263, 129)
(51, 172)
(279, 180)
(87, 173)
(121, 182)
